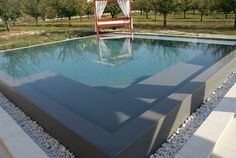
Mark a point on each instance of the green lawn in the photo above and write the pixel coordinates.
(29, 34)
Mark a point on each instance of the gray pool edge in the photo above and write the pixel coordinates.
(172, 112)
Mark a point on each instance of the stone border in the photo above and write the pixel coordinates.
(163, 118)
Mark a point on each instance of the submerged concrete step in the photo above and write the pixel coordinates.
(209, 134)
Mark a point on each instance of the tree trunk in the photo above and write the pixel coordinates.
(235, 20)
(165, 20)
(81, 18)
(37, 21)
(7, 25)
(141, 12)
(193, 11)
(155, 16)
(69, 18)
(147, 15)
(14, 23)
(226, 16)
(201, 17)
(88, 17)
(184, 14)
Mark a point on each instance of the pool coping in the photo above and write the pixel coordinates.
(127, 142)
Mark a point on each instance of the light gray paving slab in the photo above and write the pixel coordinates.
(203, 141)
(227, 105)
(8, 127)
(223, 153)
(231, 93)
(2, 112)
(223, 114)
(226, 147)
(4, 153)
(21, 146)
(16, 141)
(179, 156)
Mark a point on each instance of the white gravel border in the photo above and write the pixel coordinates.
(168, 150)
(183, 134)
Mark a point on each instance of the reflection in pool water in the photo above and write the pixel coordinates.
(116, 62)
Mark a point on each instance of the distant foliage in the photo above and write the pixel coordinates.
(165, 7)
(69, 8)
(10, 10)
(186, 5)
(113, 9)
(35, 8)
(89, 10)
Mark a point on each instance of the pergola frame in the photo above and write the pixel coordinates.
(113, 22)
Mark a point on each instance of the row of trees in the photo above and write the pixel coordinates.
(10, 10)
(166, 7)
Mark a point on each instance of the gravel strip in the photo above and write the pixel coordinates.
(189, 127)
(48, 143)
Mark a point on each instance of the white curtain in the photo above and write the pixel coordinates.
(125, 7)
(100, 7)
(104, 51)
(127, 49)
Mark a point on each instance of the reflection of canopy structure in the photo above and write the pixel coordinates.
(125, 6)
(110, 56)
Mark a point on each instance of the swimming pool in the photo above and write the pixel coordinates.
(112, 63)
(108, 84)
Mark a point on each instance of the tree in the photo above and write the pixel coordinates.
(35, 8)
(146, 7)
(9, 10)
(186, 5)
(155, 8)
(203, 7)
(68, 8)
(89, 9)
(82, 4)
(137, 5)
(224, 6)
(165, 7)
(233, 6)
(113, 9)
(194, 6)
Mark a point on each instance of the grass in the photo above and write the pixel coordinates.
(28, 34)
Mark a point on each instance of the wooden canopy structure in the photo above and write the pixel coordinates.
(126, 21)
